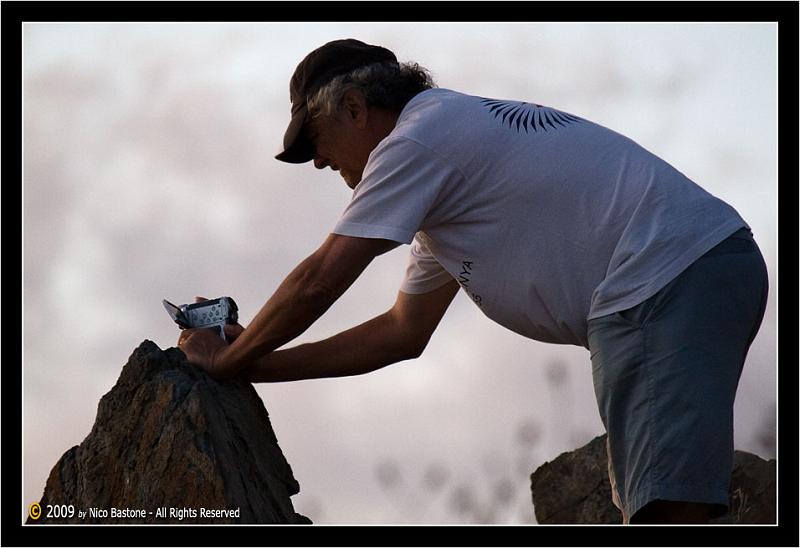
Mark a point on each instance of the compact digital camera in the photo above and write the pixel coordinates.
(214, 314)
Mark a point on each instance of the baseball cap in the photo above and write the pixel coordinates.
(317, 69)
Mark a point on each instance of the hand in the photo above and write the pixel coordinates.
(204, 347)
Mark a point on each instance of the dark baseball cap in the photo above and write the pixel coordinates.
(317, 69)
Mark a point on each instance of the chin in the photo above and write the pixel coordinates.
(351, 181)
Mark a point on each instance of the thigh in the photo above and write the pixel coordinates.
(665, 374)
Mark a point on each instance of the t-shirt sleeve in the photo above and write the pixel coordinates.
(423, 273)
(399, 188)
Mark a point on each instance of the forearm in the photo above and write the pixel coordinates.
(364, 348)
(295, 305)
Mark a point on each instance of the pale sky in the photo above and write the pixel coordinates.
(149, 174)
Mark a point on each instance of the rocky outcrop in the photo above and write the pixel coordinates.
(172, 445)
(574, 488)
(752, 494)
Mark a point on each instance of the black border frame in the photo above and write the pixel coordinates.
(14, 14)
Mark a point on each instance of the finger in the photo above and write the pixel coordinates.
(200, 299)
(184, 336)
(232, 331)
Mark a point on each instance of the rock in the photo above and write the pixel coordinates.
(574, 488)
(173, 443)
(752, 494)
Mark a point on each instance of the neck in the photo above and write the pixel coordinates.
(383, 121)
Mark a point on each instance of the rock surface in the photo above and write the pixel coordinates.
(172, 442)
(574, 488)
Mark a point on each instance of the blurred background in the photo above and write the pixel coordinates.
(149, 174)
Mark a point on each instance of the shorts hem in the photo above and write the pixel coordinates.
(683, 493)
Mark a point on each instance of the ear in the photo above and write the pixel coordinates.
(355, 108)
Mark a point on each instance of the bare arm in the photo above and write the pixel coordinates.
(309, 290)
(399, 334)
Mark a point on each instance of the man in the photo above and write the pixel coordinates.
(557, 228)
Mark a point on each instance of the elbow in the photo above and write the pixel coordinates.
(411, 350)
(313, 291)
(418, 349)
(318, 294)
(406, 339)
(408, 355)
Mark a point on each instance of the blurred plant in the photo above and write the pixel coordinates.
(388, 474)
(765, 436)
(557, 376)
(499, 490)
(557, 373)
(435, 478)
(504, 492)
(529, 433)
(462, 500)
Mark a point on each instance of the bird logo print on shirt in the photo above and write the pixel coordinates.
(528, 117)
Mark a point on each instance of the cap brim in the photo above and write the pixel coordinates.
(296, 148)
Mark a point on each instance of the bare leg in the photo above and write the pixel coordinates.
(666, 511)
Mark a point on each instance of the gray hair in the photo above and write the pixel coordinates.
(384, 85)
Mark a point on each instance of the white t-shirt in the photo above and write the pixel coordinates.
(546, 220)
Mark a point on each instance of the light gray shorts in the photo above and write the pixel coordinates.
(665, 375)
